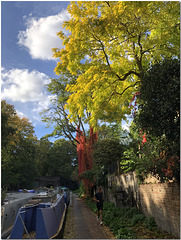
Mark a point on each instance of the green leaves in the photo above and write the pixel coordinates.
(158, 116)
(18, 149)
(24, 157)
(107, 151)
(160, 100)
(62, 159)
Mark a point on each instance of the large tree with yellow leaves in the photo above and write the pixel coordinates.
(109, 46)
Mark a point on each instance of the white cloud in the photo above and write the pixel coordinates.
(37, 118)
(40, 35)
(41, 105)
(24, 86)
(20, 114)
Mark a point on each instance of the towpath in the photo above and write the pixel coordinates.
(81, 222)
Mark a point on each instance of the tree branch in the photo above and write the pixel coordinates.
(81, 124)
(127, 88)
(114, 92)
(128, 74)
(66, 130)
(107, 2)
(138, 61)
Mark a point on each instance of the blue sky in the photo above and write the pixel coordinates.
(28, 33)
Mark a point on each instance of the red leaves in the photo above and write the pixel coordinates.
(84, 151)
(144, 138)
(171, 162)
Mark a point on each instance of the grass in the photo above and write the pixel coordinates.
(128, 222)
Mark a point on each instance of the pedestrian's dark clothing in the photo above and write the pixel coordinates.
(99, 196)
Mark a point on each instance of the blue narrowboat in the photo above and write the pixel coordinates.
(41, 220)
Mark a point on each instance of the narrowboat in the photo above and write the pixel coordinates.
(39, 219)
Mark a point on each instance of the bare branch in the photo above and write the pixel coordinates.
(127, 75)
(66, 127)
(107, 2)
(114, 92)
(72, 140)
(81, 124)
(148, 50)
(127, 88)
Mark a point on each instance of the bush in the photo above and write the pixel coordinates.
(122, 220)
(91, 204)
(150, 223)
(81, 189)
(119, 220)
(137, 219)
(131, 212)
(126, 233)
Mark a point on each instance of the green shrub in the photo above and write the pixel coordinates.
(122, 211)
(121, 220)
(126, 233)
(150, 223)
(91, 204)
(131, 212)
(137, 219)
(81, 189)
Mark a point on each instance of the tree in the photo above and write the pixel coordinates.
(107, 151)
(113, 131)
(159, 116)
(156, 156)
(159, 108)
(107, 154)
(17, 149)
(7, 129)
(57, 115)
(42, 156)
(23, 164)
(13, 127)
(157, 119)
(110, 45)
(62, 159)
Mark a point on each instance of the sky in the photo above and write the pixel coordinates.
(28, 33)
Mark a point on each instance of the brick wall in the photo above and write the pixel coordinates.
(162, 201)
(123, 189)
(159, 200)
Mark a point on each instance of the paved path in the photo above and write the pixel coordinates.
(86, 224)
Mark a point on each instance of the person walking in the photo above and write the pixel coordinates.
(98, 197)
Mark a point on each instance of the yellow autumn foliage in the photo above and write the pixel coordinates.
(110, 46)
